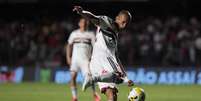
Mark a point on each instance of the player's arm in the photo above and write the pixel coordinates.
(69, 49)
(123, 72)
(86, 14)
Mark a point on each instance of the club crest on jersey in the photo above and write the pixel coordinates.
(104, 71)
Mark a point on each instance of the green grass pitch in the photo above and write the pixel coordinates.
(56, 92)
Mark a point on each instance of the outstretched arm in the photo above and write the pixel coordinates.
(86, 14)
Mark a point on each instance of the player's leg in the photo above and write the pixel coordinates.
(112, 77)
(100, 74)
(95, 94)
(86, 73)
(107, 72)
(111, 94)
(109, 89)
(73, 85)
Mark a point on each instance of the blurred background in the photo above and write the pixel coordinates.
(163, 39)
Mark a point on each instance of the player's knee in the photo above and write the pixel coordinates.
(111, 94)
(73, 75)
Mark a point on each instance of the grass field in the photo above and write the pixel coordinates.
(55, 92)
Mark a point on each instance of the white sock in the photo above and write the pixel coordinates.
(74, 92)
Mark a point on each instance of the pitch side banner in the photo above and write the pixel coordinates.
(11, 75)
(164, 75)
(147, 75)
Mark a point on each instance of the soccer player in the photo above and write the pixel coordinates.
(105, 66)
(78, 55)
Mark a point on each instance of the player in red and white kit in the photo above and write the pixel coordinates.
(105, 66)
(79, 50)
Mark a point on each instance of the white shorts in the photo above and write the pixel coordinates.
(100, 66)
(104, 85)
(76, 66)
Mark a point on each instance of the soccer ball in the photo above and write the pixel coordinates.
(136, 94)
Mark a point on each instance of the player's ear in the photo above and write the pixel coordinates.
(117, 17)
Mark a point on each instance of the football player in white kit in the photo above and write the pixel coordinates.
(105, 65)
(79, 50)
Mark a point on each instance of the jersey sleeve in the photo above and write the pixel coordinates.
(71, 38)
(105, 22)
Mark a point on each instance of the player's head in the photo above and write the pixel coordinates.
(123, 18)
(83, 23)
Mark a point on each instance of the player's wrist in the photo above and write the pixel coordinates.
(125, 79)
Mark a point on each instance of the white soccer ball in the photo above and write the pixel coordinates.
(136, 94)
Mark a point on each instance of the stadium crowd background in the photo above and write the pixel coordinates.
(150, 40)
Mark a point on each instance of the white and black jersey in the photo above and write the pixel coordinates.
(104, 50)
(82, 44)
(82, 50)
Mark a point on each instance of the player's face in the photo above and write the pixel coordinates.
(122, 21)
(83, 23)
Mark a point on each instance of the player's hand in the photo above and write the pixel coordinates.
(78, 9)
(130, 83)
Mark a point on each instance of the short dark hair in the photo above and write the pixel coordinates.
(84, 19)
(127, 13)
